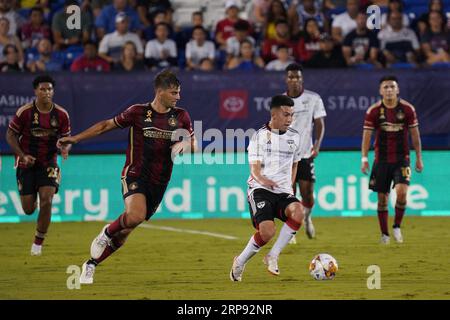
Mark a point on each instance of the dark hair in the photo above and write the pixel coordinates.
(38, 9)
(282, 46)
(281, 21)
(197, 13)
(43, 79)
(281, 100)
(90, 42)
(199, 28)
(163, 24)
(9, 45)
(166, 79)
(388, 78)
(241, 25)
(294, 67)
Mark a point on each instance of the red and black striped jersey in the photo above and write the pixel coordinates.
(150, 138)
(39, 131)
(391, 127)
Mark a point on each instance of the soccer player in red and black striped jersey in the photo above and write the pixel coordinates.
(158, 132)
(392, 119)
(32, 135)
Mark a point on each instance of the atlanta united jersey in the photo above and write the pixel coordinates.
(307, 107)
(277, 152)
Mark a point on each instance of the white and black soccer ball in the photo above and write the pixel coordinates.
(323, 267)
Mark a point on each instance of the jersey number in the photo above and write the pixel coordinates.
(52, 172)
(406, 172)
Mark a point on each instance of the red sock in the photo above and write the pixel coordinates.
(399, 213)
(383, 220)
(118, 225)
(38, 241)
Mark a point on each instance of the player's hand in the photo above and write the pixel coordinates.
(65, 141)
(419, 165)
(314, 153)
(181, 147)
(65, 151)
(365, 166)
(27, 160)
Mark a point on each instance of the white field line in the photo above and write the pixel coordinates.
(206, 233)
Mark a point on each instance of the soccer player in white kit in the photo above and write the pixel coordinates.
(308, 110)
(273, 153)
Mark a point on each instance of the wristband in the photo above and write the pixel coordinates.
(364, 159)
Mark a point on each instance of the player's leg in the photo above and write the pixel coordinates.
(383, 216)
(27, 189)
(307, 193)
(401, 190)
(46, 194)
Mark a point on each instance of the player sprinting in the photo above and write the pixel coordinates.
(154, 131)
(391, 119)
(273, 153)
(32, 135)
(309, 111)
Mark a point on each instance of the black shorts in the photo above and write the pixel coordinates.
(266, 205)
(305, 170)
(383, 174)
(29, 180)
(152, 192)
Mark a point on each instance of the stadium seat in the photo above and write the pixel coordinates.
(402, 65)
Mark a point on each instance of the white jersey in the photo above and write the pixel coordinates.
(277, 153)
(307, 107)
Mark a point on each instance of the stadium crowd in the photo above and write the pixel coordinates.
(131, 35)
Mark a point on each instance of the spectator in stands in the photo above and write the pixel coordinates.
(15, 20)
(258, 14)
(128, 59)
(105, 22)
(283, 36)
(112, 43)
(207, 65)
(345, 22)
(282, 61)
(309, 42)
(6, 38)
(276, 12)
(241, 33)
(436, 41)
(46, 60)
(423, 24)
(34, 29)
(225, 27)
(397, 6)
(329, 56)
(63, 37)
(159, 16)
(361, 46)
(397, 43)
(162, 51)
(183, 36)
(90, 61)
(147, 8)
(248, 60)
(308, 9)
(199, 48)
(11, 63)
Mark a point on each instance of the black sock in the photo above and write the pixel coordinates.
(92, 261)
(396, 226)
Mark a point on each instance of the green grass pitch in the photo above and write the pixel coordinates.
(161, 264)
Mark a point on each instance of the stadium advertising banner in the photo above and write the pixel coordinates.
(215, 187)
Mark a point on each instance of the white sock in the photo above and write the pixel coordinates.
(307, 212)
(286, 234)
(250, 250)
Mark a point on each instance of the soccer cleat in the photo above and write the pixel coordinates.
(87, 273)
(293, 240)
(309, 227)
(272, 265)
(36, 250)
(236, 271)
(385, 239)
(397, 235)
(100, 243)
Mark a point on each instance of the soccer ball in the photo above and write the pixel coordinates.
(323, 267)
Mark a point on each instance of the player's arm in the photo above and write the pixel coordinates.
(96, 130)
(417, 144)
(319, 128)
(294, 172)
(365, 146)
(255, 171)
(12, 138)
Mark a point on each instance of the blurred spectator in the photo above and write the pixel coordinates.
(128, 59)
(206, 65)
(423, 24)
(225, 27)
(6, 38)
(12, 62)
(308, 9)
(147, 8)
(64, 37)
(159, 16)
(397, 43)
(436, 41)
(309, 42)
(98, 5)
(329, 56)
(282, 61)
(269, 47)
(199, 48)
(345, 22)
(90, 61)
(105, 22)
(259, 12)
(397, 6)
(34, 29)
(241, 33)
(112, 43)
(46, 60)
(361, 46)
(276, 12)
(15, 20)
(183, 36)
(162, 51)
(247, 59)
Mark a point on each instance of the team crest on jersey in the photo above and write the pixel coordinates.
(36, 118)
(382, 116)
(149, 116)
(172, 122)
(54, 122)
(133, 186)
(261, 204)
(400, 115)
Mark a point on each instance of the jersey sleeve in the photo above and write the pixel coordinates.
(299, 151)
(411, 117)
(186, 123)
(319, 109)
(65, 125)
(126, 118)
(370, 119)
(254, 149)
(17, 123)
